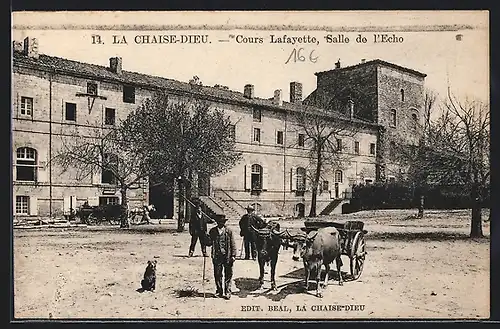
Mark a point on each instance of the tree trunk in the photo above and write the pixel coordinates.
(189, 194)
(180, 211)
(476, 230)
(421, 206)
(125, 220)
(314, 197)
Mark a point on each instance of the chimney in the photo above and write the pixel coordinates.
(351, 108)
(248, 91)
(337, 65)
(115, 64)
(363, 61)
(17, 46)
(278, 99)
(31, 47)
(295, 92)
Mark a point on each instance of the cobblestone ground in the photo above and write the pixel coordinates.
(414, 268)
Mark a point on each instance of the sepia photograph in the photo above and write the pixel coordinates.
(257, 165)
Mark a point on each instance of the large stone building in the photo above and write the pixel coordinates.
(54, 98)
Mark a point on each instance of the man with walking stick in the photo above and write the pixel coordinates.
(223, 256)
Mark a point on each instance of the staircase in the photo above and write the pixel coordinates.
(211, 207)
(331, 207)
(232, 208)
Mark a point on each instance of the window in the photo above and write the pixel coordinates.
(402, 95)
(325, 185)
(256, 177)
(368, 181)
(257, 115)
(256, 135)
(393, 118)
(392, 149)
(301, 179)
(22, 205)
(129, 94)
(279, 138)
(392, 179)
(372, 148)
(110, 166)
(356, 147)
(232, 131)
(301, 139)
(92, 88)
(26, 164)
(27, 106)
(70, 111)
(105, 200)
(414, 120)
(338, 176)
(339, 145)
(109, 117)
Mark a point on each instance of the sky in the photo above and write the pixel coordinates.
(430, 45)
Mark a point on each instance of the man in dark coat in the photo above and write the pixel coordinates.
(223, 256)
(198, 229)
(248, 238)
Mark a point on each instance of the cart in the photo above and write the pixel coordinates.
(92, 215)
(352, 241)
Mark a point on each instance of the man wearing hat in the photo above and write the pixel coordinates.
(223, 256)
(198, 228)
(245, 222)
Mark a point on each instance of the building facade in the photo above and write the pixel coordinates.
(56, 99)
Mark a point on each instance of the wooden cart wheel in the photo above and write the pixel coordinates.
(357, 256)
(91, 219)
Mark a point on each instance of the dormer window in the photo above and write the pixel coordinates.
(92, 88)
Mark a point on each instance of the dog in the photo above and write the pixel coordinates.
(149, 281)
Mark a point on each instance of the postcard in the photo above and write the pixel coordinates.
(248, 165)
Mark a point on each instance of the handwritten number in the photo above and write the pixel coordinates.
(297, 56)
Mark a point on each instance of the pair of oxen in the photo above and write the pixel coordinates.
(318, 248)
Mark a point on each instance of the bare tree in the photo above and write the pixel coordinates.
(108, 151)
(182, 139)
(324, 135)
(457, 151)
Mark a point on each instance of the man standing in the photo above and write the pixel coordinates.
(223, 256)
(198, 229)
(248, 240)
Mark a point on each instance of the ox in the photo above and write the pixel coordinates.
(319, 248)
(268, 241)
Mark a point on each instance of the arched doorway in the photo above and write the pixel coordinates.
(300, 210)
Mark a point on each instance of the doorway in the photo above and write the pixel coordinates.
(162, 197)
(300, 210)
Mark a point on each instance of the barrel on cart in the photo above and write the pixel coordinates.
(352, 241)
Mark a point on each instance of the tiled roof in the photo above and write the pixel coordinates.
(376, 62)
(97, 72)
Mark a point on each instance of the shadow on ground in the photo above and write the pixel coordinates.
(420, 236)
(193, 293)
(139, 229)
(251, 286)
(333, 276)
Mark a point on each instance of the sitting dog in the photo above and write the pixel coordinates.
(149, 281)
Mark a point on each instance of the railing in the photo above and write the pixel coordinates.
(230, 197)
